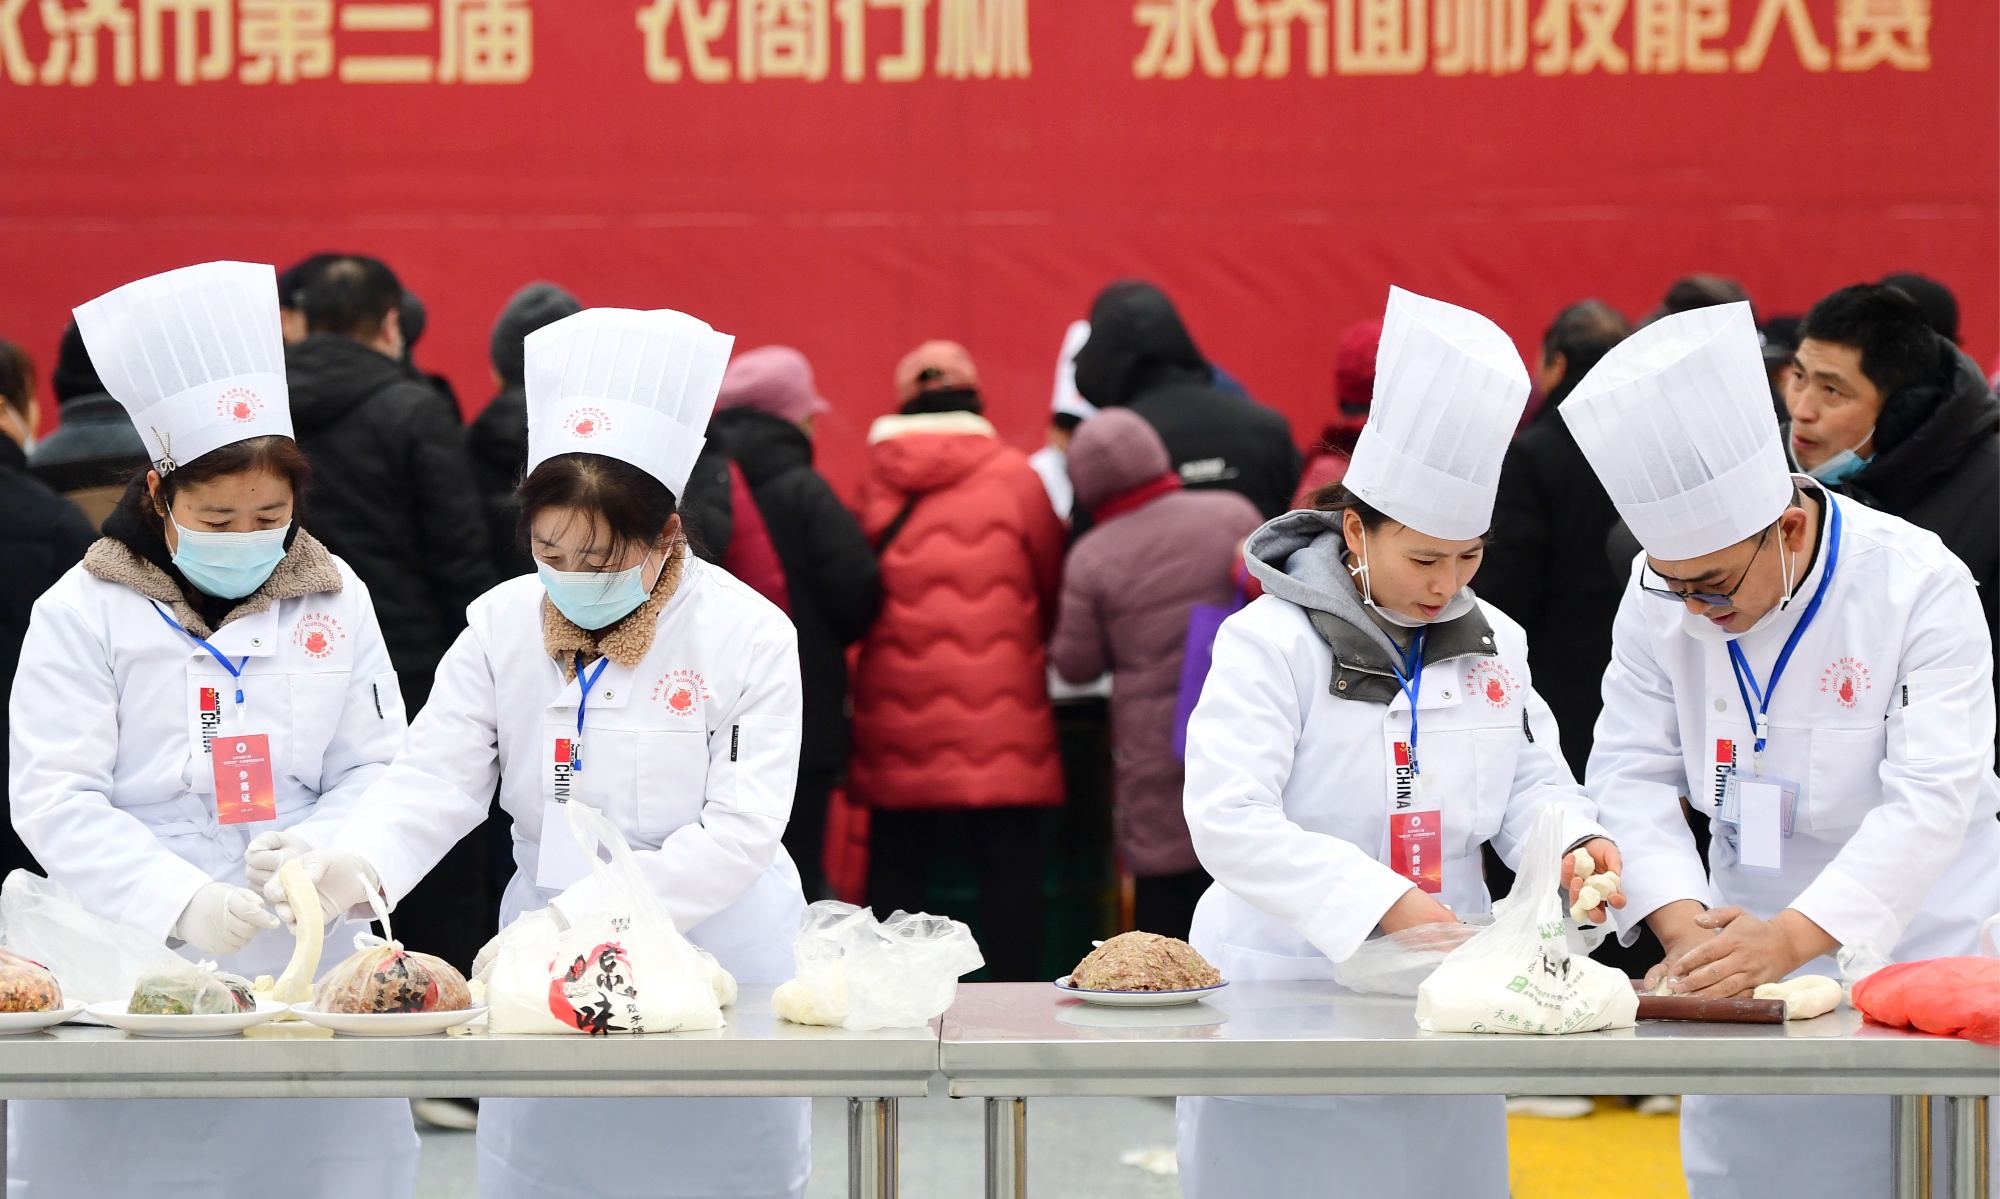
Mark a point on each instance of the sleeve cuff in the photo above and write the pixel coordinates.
(573, 903)
(1651, 884)
(1344, 921)
(1849, 913)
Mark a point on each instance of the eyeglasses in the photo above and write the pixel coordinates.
(1724, 599)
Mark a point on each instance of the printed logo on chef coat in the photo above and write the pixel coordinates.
(1725, 765)
(681, 692)
(586, 422)
(1406, 777)
(317, 634)
(211, 716)
(239, 404)
(1845, 681)
(1492, 682)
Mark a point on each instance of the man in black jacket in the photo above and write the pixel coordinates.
(1545, 563)
(764, 418)
(94, 449)
(1140, 356)
(42, 536)
(1891, 413)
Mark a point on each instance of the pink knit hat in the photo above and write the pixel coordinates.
(934, 364)
(772, 379)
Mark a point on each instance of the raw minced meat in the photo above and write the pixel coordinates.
(1143, 962)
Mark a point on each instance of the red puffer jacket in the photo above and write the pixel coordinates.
(951, 705)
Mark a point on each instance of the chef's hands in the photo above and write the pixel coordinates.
(1414, 908)
(222, 919)
(1608, 861)
(267, 853)
(1744, 952)
(344, 881)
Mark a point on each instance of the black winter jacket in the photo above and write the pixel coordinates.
(830, 571)
(392, 494)
(1547, 567)
(42, 536)
(94, 446)
(1942, 472)
(1140, 356)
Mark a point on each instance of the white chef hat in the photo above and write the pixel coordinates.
(1068, 401)
(196, 356)
(1449, 389)
(1676, 420)
(636, 386)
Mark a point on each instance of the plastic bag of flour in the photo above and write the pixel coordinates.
(1518, 974)
(860, 975)
(621, 966)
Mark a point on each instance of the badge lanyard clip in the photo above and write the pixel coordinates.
(583, 685)
(235, 669)
(1746, 679)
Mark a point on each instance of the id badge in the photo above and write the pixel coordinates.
(243, 790)
(1416, 826)
(560, 862)
(1761, 808)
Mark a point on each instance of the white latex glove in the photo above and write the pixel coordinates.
(343, 880)
(268, 852)
(222, 919)
(491, 950)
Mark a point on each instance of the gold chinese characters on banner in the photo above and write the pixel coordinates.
(811, 39)
(1499, 37)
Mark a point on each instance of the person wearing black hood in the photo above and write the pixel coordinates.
(1887, 410)
(1140, 356)
(94, 448)
(415, 318)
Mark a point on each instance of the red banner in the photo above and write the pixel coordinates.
(853, 176)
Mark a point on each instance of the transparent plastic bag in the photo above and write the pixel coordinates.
(859, 974)
(184, 988)
(1519, 974)
(95, 960)
(381, 976)
(27, 986)
(621, 966)
(1397, 963)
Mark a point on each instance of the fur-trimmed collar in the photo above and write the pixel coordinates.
(306, 569)
(626, 642)
(902, 424)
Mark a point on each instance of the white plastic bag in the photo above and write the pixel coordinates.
(858, 974)
(94, 959)
(621, 966)
(1397, 963)
(1519, 975)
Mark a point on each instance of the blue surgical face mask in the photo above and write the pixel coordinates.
(1844, 465)
(596, 599)
(229, 565)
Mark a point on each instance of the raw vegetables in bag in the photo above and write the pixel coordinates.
(27, 986)
(96, 960)
(1519, 974)
(184, 988)
(620, 966)
(858, 974)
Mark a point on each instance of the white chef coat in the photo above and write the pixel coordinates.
(113, 793)
(1884, 717)
(1287, 799)
(693, 754)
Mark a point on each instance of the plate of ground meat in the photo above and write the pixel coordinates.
(1141, 970)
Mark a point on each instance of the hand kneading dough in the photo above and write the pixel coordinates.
(802, 1003)
(1806, 996)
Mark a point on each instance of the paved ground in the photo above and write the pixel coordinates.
(1074, 1147)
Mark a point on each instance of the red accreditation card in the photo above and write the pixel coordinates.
(1414, 848)
(243, 790)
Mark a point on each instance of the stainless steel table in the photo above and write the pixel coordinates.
(1008, 1041)
(754, 1055)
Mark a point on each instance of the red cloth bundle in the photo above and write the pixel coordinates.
(1952, 997)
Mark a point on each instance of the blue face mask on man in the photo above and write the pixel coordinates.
(1844, 465)
(229, 565)
(596, 599)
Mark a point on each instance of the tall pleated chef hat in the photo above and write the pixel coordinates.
(196, 356)
(1449, 389)
(636, 386)
(1676, 420)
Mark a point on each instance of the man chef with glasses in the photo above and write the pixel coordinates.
(1815, 677)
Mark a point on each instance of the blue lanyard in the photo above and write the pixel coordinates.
(1410, 675)
(1746, 679)
(583, 685)
(235, 671)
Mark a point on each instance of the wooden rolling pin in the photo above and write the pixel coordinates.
(1717, 1011)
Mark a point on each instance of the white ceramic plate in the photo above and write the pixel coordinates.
(113, 1012)
(1138, 998)
(387, 1024)
(13, 1022)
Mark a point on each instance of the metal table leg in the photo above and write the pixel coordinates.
(1006, 1149)
(1910, 1146)
(872, 1160)
(1971, 1170)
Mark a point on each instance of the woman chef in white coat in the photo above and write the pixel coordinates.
(657, 689)
(1815, 677)
(207, 637)
(1367, 725)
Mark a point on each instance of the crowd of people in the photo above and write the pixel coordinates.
(936, 610)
